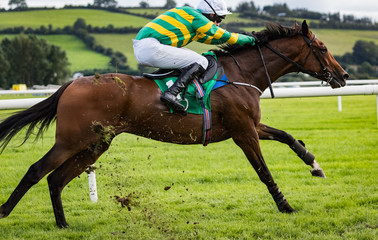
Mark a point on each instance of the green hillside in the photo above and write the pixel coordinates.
(67, 17)
(341, 41)
(79, 55)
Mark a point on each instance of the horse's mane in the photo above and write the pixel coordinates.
(271, 32)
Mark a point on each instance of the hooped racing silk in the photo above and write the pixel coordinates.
(180, 26)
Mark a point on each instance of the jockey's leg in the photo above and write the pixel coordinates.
(169, 97)
(151, 52)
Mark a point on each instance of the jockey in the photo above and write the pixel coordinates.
(160, 43)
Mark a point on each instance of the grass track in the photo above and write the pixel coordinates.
(215, 194)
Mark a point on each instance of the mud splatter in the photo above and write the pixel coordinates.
(125, 201)
(107, 133)
(96, 78)
(121, 84)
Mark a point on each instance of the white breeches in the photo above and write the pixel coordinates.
(151, 52)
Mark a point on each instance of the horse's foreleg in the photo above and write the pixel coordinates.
(36, 172)
(72, 168)
(269, 133)
(248, 141)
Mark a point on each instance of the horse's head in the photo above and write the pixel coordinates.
(318, 60)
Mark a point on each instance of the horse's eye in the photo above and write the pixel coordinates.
(323, 50)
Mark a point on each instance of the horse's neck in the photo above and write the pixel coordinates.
(253, 68)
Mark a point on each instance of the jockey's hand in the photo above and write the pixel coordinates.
(260, 38)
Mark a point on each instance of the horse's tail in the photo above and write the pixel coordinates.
(41, 114)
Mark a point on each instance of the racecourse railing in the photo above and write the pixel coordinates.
(281, 90)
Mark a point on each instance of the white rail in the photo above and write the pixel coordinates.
(322, 91)
(319, 83)
(21, 92)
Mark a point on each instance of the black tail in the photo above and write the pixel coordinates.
(42, 115)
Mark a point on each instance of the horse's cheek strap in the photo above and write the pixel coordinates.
(302, 152)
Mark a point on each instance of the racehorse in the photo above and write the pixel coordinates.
(91, 111)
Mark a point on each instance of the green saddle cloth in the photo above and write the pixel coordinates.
(192, 96)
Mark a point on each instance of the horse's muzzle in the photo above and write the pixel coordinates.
(339, 81)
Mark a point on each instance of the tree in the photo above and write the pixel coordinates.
(144, 4)
(247, 9)
(366, 69)
(170, 4)
(277, 8)
(364, 51)
(4, 68)
(79, 24)
(33, 61)
(17, 3)
(105, 3)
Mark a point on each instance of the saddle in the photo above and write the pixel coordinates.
(212, 69)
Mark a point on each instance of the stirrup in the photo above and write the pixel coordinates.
(175, 104)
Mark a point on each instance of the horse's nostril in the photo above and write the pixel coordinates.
(346, 76)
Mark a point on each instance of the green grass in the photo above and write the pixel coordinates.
(339, 41)
(67, 17)
(154, 11)
(119, 42)
(215, 193)
(79, 56)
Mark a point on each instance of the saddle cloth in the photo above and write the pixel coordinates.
(208, 80)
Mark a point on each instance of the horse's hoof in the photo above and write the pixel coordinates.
(63, 225)
(2, 214)
(289, 210)
(286, 208)
(318, 173)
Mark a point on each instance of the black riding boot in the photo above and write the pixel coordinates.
(169, 97)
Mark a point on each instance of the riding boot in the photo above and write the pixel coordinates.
(169, 97)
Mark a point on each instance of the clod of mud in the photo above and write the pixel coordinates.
(125, 201)
(90, 169)
(96, 78)
(106, 132)
(167, 188)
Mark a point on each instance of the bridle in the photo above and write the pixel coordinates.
(326, 75)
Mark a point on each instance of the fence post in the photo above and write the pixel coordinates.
(340, 104)
(92, 183)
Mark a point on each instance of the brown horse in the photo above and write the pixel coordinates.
(91, 111)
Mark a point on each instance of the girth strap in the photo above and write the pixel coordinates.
(206, 133)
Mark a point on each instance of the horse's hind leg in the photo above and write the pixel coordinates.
(53, 159)
(268, 133)
(73, 167)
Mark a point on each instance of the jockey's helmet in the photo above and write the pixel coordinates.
(216, 7)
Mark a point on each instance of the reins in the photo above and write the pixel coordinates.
(326, 74)
(266, 72)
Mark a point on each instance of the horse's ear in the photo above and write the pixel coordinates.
(296, 25)
(304, 28)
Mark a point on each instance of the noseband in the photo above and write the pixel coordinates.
(326, 75)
